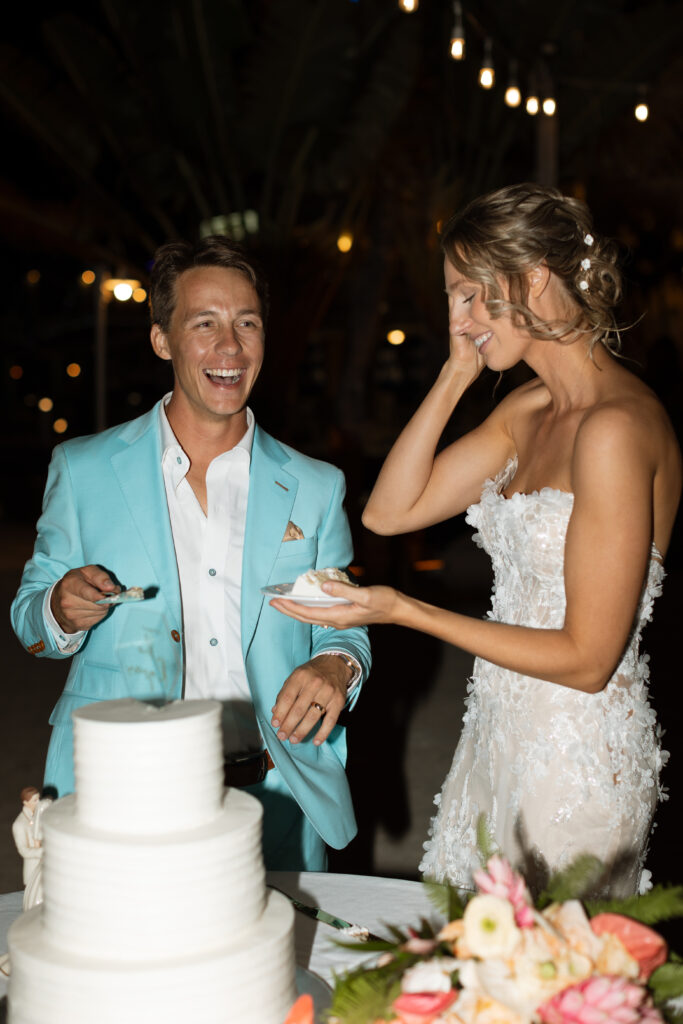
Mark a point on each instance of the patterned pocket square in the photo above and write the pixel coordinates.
(293, 532)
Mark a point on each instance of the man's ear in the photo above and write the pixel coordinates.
(159, 342)
(538, 280)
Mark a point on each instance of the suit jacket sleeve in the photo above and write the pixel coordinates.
(57, 549)
(335, 549)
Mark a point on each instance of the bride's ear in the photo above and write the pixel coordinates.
(538, 280)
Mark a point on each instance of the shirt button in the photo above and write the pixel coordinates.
(178, 460)
(212, 572)
(176, 635)
(213, 641)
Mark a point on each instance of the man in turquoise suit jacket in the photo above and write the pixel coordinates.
(113, 517)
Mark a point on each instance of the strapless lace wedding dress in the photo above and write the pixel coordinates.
(555, 772)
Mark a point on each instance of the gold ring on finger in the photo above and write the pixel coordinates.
(318, 707)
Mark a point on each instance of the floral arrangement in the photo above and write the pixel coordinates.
(501, 959)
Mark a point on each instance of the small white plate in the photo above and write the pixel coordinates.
(310, 600)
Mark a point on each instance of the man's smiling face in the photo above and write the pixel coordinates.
(215, 342)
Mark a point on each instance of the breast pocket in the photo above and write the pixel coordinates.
(294, 557)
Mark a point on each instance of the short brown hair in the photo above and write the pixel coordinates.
(27, 792)
(507, 233)
(173, 259)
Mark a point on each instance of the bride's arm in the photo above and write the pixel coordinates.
(417, 488)
(606, 556)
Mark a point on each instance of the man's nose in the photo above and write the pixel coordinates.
(228, 339)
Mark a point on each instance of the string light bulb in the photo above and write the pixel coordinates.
(513, 95)
(345, 241)
(458, 33)
(409, 5)
(532, 102)
(487, 74)
(549, 106)
(641, 111)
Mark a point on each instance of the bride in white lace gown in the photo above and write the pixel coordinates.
(572, 483)
(533, 754)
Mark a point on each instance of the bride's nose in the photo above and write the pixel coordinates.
(459, 322)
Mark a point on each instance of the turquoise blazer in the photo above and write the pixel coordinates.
(105, 504)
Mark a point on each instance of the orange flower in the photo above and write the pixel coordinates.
(302, 1011)
(641, 942)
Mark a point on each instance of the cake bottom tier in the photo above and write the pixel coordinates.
(250, 980)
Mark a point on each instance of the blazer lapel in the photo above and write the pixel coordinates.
(139, 473)
(272, 491)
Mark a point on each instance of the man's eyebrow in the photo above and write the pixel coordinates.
(194, 313)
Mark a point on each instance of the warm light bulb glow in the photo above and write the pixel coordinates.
(344, 242)
(532, 105)
(642, 111)
(486, 78)
(45, 404)
(122, 291)
(396, 337)
(139, 295)
(549, 106)
(409, 5)
(59, 426)
(513, 96)
(33, 277)
(16, 372)
(73, 370)
(88, 277)
(457, 48)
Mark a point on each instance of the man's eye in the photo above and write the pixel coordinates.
(470, 297)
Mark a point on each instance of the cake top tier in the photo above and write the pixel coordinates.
(144, 769)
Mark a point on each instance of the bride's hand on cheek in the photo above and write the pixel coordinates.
(464, 356)
(368, 605)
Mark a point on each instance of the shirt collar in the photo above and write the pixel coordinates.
(170, 442)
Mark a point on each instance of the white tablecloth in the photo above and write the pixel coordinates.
(359, 899)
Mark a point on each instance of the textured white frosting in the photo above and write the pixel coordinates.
(124, 896)
(247, 980)
(311, 581)
(146, 769)
(155, 902)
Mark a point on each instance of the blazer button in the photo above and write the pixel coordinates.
(176, 635)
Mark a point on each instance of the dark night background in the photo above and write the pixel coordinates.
(128, 124)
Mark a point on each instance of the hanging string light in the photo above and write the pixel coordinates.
(487, 74)
(458, 33)
(409, 5)
(513, 95)
(549, 106)
(642, 110)
(532, 102)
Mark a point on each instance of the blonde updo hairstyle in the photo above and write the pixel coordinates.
(502, 236)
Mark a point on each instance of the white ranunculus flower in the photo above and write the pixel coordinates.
(430, 975)
(490, 928)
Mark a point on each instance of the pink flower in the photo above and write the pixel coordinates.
(423, 947)
(602, 999)
(422, 1007)
(641, 942)
(500, 880)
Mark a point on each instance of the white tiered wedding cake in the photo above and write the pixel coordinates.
(155, 905)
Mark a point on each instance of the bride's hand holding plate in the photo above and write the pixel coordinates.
(366, 605)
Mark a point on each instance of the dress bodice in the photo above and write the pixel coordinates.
(524, 535)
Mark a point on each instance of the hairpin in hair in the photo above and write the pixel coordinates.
(588, 239)
(585, 263)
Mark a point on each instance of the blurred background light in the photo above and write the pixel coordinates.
(396, 337)
(33, 276)
(345, 241)
(45, 404)
(16, 372)
(59, 426)
(487, 74)
(73, 370)
(88, 277)
(139, 294)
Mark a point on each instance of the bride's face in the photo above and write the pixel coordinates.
(499, 343)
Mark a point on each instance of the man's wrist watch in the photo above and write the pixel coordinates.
(353, 664)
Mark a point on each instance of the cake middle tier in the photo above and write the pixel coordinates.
(152, 897)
